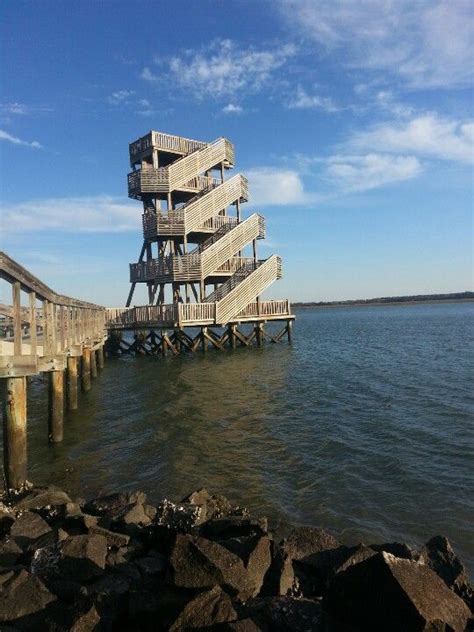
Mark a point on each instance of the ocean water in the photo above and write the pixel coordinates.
(363, 426)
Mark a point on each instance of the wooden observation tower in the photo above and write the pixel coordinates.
(199, 258)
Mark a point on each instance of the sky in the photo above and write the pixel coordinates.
(352, 120)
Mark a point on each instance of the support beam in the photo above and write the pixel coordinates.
(86, 370)
(100, 357)
(56, 406)
(72, 383)
(14, 431)
(289, 330)
(93, 364)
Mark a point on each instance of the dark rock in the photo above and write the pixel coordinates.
(388, 593)
(199, 563)
(131, 515)
(207, 609)
(7, 518)
(243, 625)
(10, 552)
(154, 606)
(182, 517)
(83, 556)
(27, 527)
(215, 506)
(114, 503)
(38, 498)
(286, 614)
(303, 542)
(399, 549)
(23, 595)
(111, 584)
(354, 556)
(441, 558)
(152, 564)
(233, 527)
(114, 539)
(85, 621)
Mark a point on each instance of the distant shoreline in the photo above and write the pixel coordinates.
(402, 300)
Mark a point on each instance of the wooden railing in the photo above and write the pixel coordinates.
(265, 308)
(151, 180)
(143, 147)
(247, 289)
(63, 322)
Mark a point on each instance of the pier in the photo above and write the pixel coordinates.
(203, 289)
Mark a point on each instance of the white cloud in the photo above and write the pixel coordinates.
(17, 141)
(222, 68)
(268, 185)
(231, 108)
(428, 135)
(303, 101)
(97, 214)
(428, 43)
(361, 173)
(120, 96)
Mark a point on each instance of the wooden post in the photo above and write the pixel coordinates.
(14, 431)
(86, 369)
(16, 287)
(72, 383)
(56, 406)
(232, 336)
(289, 328)
(93, 364)
(100, 357)
(204, 339)
(258, 334)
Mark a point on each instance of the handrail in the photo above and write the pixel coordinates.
(13, 272)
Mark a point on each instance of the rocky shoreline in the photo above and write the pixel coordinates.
(119, 563)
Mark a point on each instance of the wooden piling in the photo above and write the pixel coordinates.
(86, 369)
(289, 330)
(258, 334)
(204, 342)
(93, 364)
(72, 383)
(14, 431)
(56, 406)
(100, 357)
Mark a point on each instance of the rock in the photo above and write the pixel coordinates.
(207, 609)
(83, 556)
(86, 621)
(109, 585)
(10, 552)
(286, 614)
(152, 564)
(154, 606)
(214, 506)
(132, 515)
(233, 527)
(27, 527)
(199, 563)
(399, 549)
(388, 593)
(354, 556)
(441, 558)
(7, 518)
(114, 503)
(39, 498)
(243, 625)
(114, 539)
(182, 517)
(304, 542)
(23, 595)
(150, 511)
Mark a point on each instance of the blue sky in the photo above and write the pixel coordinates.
(352, 120)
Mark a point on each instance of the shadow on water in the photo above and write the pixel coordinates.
(363, 425)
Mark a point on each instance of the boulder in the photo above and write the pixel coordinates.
(233, 527)
(82, 556)
(23, 595)
(441, 558)
(38, 498)
(10, 552)
(85, 621)
(285, 614)
(151, 564)
(214, 506)
(114, 504)
(27, 527)
(133, 514)
(114, 539)
(387, 593)
(179, 517)
(303, 542)
(7, 518)
(198, 563)
(399, 549)
(207, 609)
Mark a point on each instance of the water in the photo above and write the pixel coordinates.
(363, 426)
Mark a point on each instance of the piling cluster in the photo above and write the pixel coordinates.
(118, 562)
